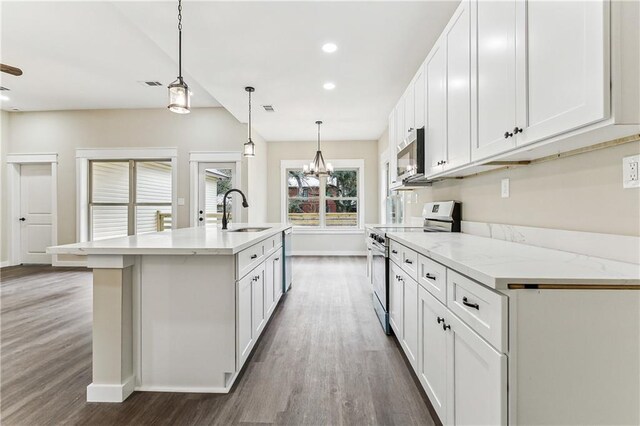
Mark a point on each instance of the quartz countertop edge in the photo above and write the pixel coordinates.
(496, 263)
(184, 241)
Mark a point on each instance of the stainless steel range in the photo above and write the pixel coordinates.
(443, 216)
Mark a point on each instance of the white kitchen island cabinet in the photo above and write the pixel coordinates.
(181, 310)
(519, 334)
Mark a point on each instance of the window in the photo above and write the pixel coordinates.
(324, 203)
(128, 197)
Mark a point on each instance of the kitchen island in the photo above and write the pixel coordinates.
(180, 310)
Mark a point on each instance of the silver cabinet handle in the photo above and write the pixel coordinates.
(465, 302)
(254, 256)
(408, 261)
(430, 277)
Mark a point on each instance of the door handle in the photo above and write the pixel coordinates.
(200, 219)
(507, 135)
(394, 251)
(22, 219)
(465, 302)
(430, 277)
(408, 261)
(254, 256)
(440, 319)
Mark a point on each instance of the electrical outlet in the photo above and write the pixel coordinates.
(505, 188)
(630, 172)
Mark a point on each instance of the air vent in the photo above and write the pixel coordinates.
(3, 88)
(268, 108)
(150, 83)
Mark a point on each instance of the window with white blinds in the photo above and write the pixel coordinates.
(129, 197)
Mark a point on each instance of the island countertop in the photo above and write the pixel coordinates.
(209, 240)
(496, 263)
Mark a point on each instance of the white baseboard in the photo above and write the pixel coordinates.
(5, 264)
(110, 393)
(184, 389)
(329, 253)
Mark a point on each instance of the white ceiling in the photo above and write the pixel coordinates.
(274, 46)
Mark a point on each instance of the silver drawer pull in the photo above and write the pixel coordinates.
(408, 261)
(394, 251)
(430, 277)
(254, 256)
(465, 302)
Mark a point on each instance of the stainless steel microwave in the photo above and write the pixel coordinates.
(411, 156)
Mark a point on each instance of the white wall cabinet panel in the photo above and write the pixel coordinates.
(479, 375)
(392, 150)
(409, 110)
(458, 43)
(396, 300)
(419, 95)
(436, 129)
(410, 321)
(269, 295)
(401, 130)
(433, 344)
(494, 60)
(567, 63)
(258, 311)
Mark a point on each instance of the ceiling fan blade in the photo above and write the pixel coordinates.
(10, 70)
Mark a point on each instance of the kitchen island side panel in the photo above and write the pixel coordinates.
(187, 323)
(574, 357)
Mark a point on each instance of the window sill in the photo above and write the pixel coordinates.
(327, 231)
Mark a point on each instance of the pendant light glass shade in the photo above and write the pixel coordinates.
(318, 167)
(249, 146)
(179, 99)
(179, 95)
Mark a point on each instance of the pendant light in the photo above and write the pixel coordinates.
(249, 146)
(178, 90)
(318, 167)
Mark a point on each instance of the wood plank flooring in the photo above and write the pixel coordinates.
(323, 359)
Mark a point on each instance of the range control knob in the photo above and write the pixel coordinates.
(380, 240)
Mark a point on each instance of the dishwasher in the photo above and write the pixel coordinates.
(286, 265)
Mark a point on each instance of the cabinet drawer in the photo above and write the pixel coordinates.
(248, 258)
(433, 277)
(395, 252)
(410, 262)
(482, 309)
(271, 243)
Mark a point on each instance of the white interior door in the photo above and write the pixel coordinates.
(36, 212)
(214, 179)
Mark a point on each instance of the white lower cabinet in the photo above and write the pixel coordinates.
(478, 377)
(410, 320)
(464, 376)
(396, 300)
(432, 363)
(245, 303)
(258, 311)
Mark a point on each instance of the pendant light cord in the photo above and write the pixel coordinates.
(319, 136)
(249, 116)
(180, 39)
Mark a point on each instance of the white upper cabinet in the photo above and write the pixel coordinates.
(409, 111)
(392, 149)
(458, 41)
(401, 129)
(419, 99)
(493, 64)
(436, 128)
(566, 66)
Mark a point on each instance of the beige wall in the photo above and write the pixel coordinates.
(61, 132)
(332, 150)
(582, 193)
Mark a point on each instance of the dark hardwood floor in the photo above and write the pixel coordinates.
(322, 360)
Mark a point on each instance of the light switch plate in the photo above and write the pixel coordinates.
(630, 171)
(505, 188)
(181, 201)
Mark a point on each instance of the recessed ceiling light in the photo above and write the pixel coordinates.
(329, 86)
(329, 47)
(4, 98)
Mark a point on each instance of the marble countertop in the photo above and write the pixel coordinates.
(498, 263)
(184, 241)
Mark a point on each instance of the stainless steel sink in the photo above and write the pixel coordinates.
(248, 229)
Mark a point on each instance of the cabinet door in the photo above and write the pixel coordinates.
(396, 298)
(410, 320)
(269, 294)
(401, 130)
(258, 307)
(478, 377)
(566, 66)
(409, 110)
(277, 277)
(393, 147)
(244, 318)
(434, 343)
(458, 42)
(419, 98)
(494, 69)
(436, 129)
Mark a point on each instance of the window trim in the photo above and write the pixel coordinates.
(337, 164)
(85, 155)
